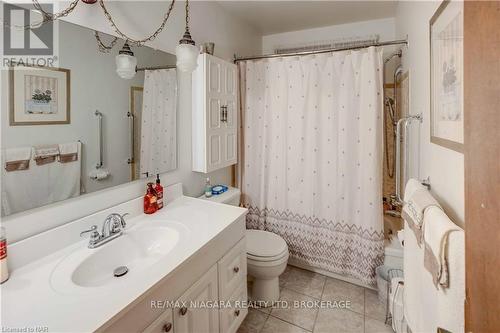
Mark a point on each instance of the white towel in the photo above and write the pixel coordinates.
(414, 209)
(17, 158)
(40, 185)
(17, 154)
(437, 229)
(427, 308)
(411, 186)
(68, 152)
(46, 151)
(46, 154)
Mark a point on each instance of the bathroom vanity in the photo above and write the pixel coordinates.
(186, 272)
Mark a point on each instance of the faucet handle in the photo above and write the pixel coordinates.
(94, 234)
(122, 220)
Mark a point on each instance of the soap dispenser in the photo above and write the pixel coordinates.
(208, 188)
(150, 200)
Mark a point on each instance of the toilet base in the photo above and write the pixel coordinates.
(265, 292)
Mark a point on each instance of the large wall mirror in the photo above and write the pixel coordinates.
(80, 127)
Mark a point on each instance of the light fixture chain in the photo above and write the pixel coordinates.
(137, 42)
(187, 15)
(46, 17)
(102, 47)
(52, 17)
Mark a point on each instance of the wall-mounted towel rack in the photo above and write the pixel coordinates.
(99, 138)
(403, 122)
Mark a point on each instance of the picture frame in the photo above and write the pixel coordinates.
(446, 76)
(39, 95)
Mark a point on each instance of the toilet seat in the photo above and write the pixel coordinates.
(265, 246)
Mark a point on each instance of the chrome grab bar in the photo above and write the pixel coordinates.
(131, 125)
(406, 121)
(99, 138)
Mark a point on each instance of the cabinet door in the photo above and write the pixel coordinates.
(163, 324)
(215, 88)
(196, 316)
(231, 114)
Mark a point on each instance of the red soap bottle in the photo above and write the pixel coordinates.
(150, 200)
(159, 192)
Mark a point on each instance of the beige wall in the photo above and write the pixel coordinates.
(445, 167)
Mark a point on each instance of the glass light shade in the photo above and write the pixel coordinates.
(125, 66)
(187, 57)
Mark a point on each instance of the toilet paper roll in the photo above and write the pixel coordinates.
(99, 174)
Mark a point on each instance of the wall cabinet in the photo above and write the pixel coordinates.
(215, 116)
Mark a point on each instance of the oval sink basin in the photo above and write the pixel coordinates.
(137, 249)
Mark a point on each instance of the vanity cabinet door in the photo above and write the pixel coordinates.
(163, 324)
(232, 317)
(196, 316)
(232, 270)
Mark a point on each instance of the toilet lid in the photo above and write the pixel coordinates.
(264, 244)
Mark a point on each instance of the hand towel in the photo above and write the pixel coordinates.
(437, 229)
(68, 152)
(17, 158)
(46, 154)
(414, 208)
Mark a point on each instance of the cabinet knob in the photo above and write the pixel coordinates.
(237, 313)
(236, 269)
(183, 311)
(167, 327)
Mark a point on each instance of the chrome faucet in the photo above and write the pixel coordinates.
(113, 227)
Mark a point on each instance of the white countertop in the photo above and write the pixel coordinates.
(29, 300)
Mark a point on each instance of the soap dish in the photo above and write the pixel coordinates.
(219, 189)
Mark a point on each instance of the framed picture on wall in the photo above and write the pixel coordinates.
(446, 60)
(39, 95)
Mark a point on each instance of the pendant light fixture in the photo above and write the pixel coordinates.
(187, 51)
(126, 63)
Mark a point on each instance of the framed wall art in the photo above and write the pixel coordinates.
(39, 95)
(447, 85)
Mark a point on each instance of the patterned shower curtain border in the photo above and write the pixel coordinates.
(335, 247)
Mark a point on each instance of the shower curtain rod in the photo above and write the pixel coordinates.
(293, 54)
(137, 69)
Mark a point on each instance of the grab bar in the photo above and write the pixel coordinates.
(131, 125)
(99, 138)
(406, 121)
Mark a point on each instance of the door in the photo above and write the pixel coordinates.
(196, 316)
(482, 164)
(136, 113)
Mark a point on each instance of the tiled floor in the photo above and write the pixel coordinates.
(365, 315)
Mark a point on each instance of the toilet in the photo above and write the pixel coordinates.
(267, 256)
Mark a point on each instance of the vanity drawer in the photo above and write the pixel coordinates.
(163, 324)
(232, 317)
(232, 270)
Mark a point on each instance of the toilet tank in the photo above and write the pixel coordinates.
(230, 197)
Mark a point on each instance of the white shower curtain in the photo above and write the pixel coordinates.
(311, 167)
(158, 127)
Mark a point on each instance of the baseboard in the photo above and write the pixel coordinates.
(293, 262)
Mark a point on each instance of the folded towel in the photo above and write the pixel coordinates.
(414, 208)
(437, 229)
(46, 154)
(68, 152)
(411, 186)
(17, 158)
